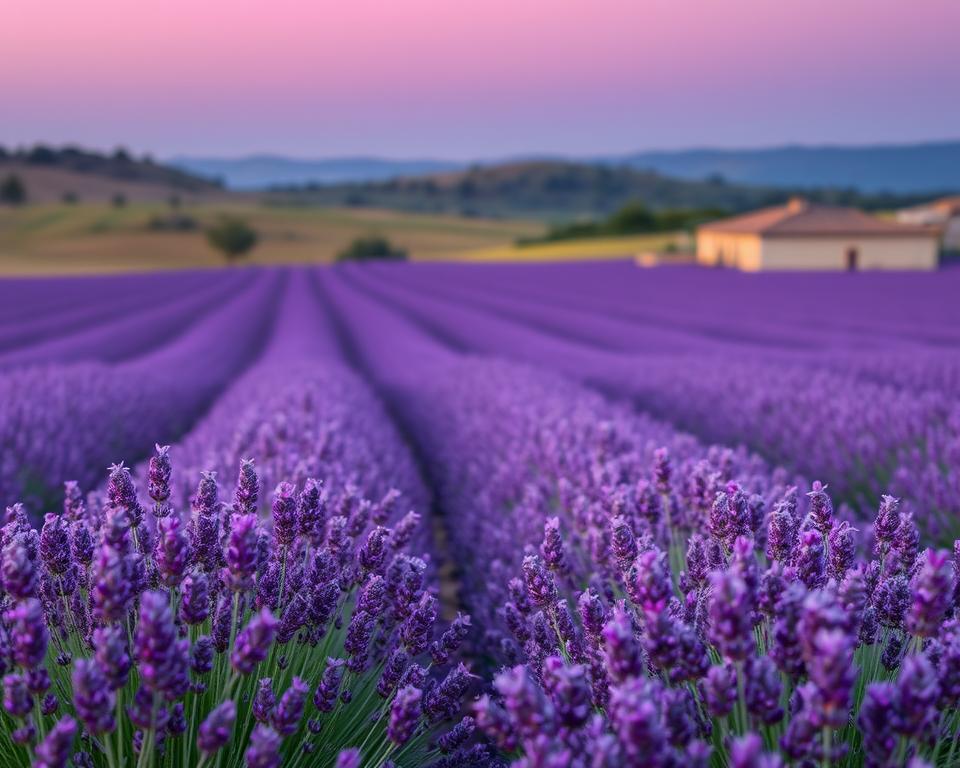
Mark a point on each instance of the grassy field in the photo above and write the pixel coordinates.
(54, 238)
(568, 250)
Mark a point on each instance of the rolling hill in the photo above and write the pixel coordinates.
(52, 175)
(554, 190)
(897, 168)
(903, 169)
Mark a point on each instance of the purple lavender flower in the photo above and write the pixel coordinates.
(18, 570)
(161, 657)
(112, 654)
(569, 691)
(201, 655)
(264, 701)
(831, 669)
(17, 700)
(552, 547)
(123, 493)
(843, 550)
(648, 582)
(284, 510)
(92, 697)
(782, 531)
(113, 584)
(404, 714)
(891, 600)
(55, 544)
(811, 559)
(215, 730)
(392, 671)
(349, 758)
(57, 747)
(289, 711)
(731, 622)
(373, 553)
(747, 752)
(636, 720)
(622, 650)
(49, 705)
(241, 552)
(310, 510)
(451, 639)
(158, 480)
(195, 598)
(932, 588)
(172, 550)
(917, 692)
(325, 697)
(592, 614)
(264, 749)
(248, 489)
(81, 542)
(523, 701)
(877, 713)
(28, 633)
(539, 582)
(356, 644)
(416, 628)
(820, 513)
(719, 690)
(253, 642)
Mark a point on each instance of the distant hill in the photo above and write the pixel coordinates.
(555, 190)
(896, 168)
(49, 174)
(906, 168)
(261, 171)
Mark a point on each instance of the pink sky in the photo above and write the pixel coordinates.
(476, 78)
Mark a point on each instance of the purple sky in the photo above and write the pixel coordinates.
(476, 78)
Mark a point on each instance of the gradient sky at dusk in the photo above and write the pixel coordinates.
(476, 78)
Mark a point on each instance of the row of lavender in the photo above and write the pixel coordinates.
(176, 628)
(569, 518)
(69, 420)
(653, 607)
(873, 422)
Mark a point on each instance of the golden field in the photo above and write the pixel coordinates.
(56, 238)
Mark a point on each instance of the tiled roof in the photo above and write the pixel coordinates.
(798, 218)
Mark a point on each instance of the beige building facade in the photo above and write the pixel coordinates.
(802, 236)
(943, 214)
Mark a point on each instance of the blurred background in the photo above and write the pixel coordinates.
(181, 135)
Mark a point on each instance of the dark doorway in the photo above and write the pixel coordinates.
(852, 258)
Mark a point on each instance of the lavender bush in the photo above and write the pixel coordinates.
(138, 635)
(499, 565)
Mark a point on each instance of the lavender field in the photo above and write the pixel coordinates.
(446, 515)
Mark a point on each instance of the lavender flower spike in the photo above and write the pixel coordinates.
(264, 749)
(253, 642)
(215, 731)
(57, 747)
(404, 713)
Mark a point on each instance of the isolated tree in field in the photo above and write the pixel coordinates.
(12, 191)
(371, 248)
(233, 236)
(119, 200)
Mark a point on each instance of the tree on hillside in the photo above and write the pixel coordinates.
(233, 236)
(371, 248)
(12, 191)
(119, 200)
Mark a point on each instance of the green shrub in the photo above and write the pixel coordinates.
(12, 191)
(371, 248)
(233, 236)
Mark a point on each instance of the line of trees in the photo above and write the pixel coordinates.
(632, 219)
